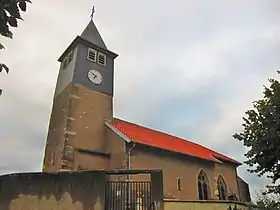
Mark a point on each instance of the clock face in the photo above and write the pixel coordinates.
(95, 77)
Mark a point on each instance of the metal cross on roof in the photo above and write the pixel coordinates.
(92, 12)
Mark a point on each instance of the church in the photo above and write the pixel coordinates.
(84, 135)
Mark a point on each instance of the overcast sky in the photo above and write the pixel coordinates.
(187, 67)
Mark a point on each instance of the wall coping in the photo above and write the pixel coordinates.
(67, 173)
(210, 201)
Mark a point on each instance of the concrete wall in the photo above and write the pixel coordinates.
(84, 190)
(176, 166)
(206, 205)
(45, 191)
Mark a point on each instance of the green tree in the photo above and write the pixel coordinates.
(266, 202)
(9, 16)
(261, 133)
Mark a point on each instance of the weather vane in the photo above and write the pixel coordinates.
(92, 12)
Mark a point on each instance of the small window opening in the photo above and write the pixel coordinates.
(101, 59)
(179, 184)
(92, 55)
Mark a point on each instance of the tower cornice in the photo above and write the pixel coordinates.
(80, 39)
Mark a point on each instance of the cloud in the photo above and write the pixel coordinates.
(190, 68)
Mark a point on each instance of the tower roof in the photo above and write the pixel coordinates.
(92, 35)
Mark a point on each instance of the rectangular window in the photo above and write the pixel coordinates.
(179, 184)
(91, 55)
(101, 59)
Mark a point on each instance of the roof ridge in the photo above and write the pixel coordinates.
(164, 133)
(214, 154)
(159, 131)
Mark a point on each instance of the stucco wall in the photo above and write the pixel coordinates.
(115, 146)
(88, 111)
(45, 191)
(206, 205)
(244, 190)
(56, 133)
(229, 174)
(176, 166)
(77, 122)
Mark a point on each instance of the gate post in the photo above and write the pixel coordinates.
(157, 189)
(99, 193)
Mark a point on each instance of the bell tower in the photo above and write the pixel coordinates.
(82, 102)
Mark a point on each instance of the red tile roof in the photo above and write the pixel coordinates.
(146, 136)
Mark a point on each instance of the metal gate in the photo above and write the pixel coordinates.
(129, 195)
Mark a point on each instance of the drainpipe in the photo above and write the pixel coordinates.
(129, 160)
(128, 177)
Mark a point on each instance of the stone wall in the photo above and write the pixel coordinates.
(207, 205)
(45, 191)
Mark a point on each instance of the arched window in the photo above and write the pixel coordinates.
(222, 188)
(203, 186)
